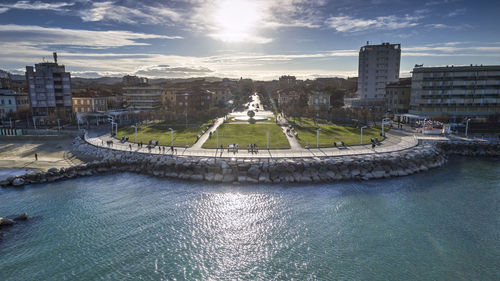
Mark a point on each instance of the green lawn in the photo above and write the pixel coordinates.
(332, 133)
(244, 134)
(145, 133)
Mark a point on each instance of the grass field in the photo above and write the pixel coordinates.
(244, 134)
(145, 133)
(333, 133)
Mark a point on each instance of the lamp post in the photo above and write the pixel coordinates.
(423, 127)
(364, 127)
(171, 136)
(268, 139)
(317, 137)
(467, 127)
(135, 129)
(58, 125)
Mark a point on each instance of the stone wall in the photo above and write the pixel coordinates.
(470, 148)
(268, 170)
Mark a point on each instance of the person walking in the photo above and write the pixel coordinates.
(36, 157)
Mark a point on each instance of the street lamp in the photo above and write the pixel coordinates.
(58, 125)
(268, 138)
(171, 136)
(217, 133)
(317, 137)
(364, 127)
(423, 127)
(135, 128)
(467, 127)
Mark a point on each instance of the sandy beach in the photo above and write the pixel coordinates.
(53, 151)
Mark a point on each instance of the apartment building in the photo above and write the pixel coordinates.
(456, 92)
(49, 89)
(89, 102)
(192, 101)
(144, 97)
(397, 96)
(378, 66)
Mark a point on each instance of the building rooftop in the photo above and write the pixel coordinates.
(458, 68)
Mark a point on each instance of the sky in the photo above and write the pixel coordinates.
(259, 39)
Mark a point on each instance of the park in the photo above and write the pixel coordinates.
(253, 125)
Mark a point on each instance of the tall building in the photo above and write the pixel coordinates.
(378, 66)
(49, 88)
(456, 92)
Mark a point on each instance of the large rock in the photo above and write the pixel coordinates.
(18, 182)
(22, 217)
(6, 222)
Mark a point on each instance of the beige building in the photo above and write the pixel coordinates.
(89, 104)
(319, 101)
(397, 96)
(456, 92)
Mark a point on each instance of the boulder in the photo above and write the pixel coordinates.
(53, 170)
(6, 222)
(18, 182)
(22, 217)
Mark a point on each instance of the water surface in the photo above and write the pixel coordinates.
(439, 225)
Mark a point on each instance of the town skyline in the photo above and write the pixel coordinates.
(253, 39)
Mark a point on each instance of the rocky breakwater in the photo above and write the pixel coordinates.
(8, 222)
(471, 148)
(262, 170)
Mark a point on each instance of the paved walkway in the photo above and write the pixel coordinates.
(205, 136)
(394, 142)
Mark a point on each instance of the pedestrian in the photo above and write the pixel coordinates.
(36, 157)
(172, 149)
(130, 146)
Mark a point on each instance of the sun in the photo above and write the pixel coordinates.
(235, 20)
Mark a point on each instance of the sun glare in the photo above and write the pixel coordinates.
(235, 19)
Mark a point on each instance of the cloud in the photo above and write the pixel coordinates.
(445, 26)
(457, 12)
(31, 35)
(110, 11)
(220, 20)
(3, 10)
(161, 71)
(37, 5)
(350, 24)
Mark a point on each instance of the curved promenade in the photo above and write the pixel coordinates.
(391, 144)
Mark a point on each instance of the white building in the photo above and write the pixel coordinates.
(456, 92)
(146, 98)
(378, 66)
